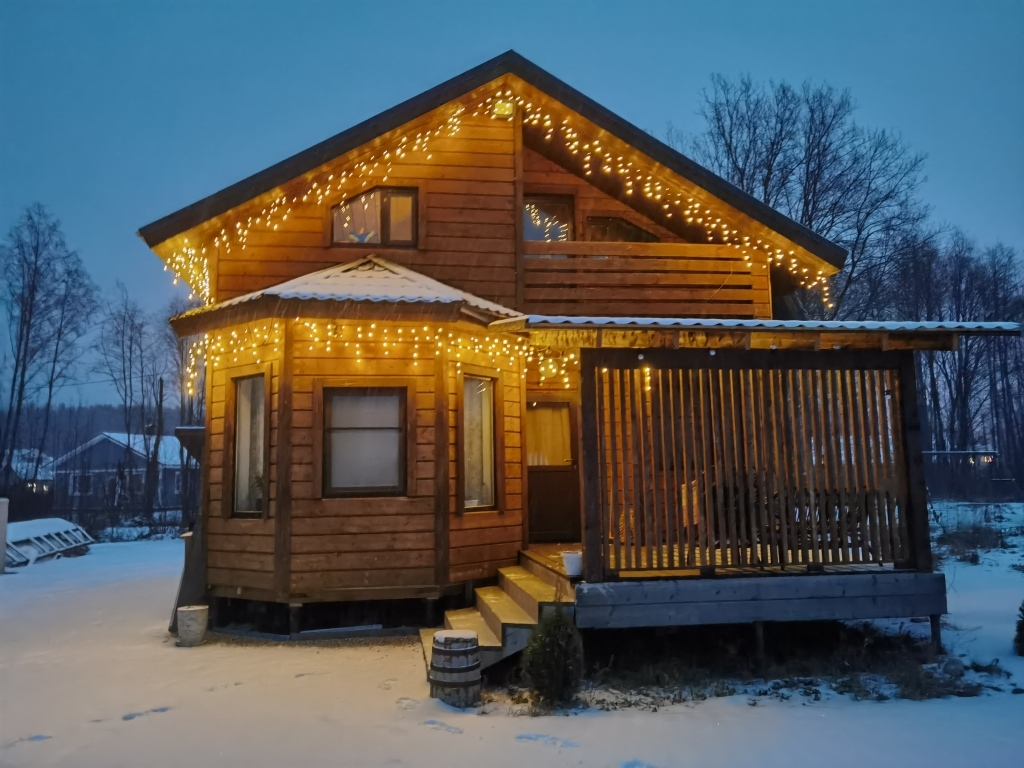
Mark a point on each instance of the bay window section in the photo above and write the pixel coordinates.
(250, 446)
(364, 442)
(478, 450)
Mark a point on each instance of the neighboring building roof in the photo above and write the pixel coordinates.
(169, 447)
(368, 279)
(567, 321)
(512, 63)
(23, 463)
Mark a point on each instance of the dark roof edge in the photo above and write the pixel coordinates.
(509, 62)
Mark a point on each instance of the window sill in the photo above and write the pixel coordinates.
(480, 510)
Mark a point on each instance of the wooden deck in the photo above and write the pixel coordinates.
(550, 557)
(736, 595)
(741, 600)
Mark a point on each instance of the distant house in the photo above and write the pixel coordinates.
(23, 470)
(108, 472)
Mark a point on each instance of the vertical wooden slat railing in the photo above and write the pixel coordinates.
(749, 459)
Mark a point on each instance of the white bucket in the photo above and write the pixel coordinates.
(192, 620)
(573, 564)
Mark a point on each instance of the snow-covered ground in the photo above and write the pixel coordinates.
(89, 677)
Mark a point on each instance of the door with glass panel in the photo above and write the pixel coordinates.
(553, 476)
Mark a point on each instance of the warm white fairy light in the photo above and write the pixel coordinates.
(363, 342)
(190, 264)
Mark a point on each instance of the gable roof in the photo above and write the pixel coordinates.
(169, 455)
(508, 63)
(370, 279)
(23, 462)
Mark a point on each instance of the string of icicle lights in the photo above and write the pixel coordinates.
(366, 342)
(190, 262)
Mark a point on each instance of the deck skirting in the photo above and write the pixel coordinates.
(816, 597)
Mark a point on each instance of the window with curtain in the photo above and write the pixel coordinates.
(382, 215)
(250, 438)
(478, 442)
(548, 437)
(548, 217)
(364, 442)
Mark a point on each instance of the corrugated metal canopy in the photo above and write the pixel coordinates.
(540, 322)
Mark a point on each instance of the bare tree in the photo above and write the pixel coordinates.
(803, 153)
(191, 396)
(65, 326)
(48, 298)
(132, 358)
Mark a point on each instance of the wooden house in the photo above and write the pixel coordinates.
(497, 322)
(107, 472)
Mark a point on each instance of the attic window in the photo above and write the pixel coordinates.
(381, 216)
(548, 217)
(613, 229)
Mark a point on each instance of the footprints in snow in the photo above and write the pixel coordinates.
(437, 725)
(547, 741)
(133, 715)
(406, 703)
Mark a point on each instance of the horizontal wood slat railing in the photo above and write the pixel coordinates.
(704, 462)
(649, 279)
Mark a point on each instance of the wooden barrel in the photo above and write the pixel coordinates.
(455, 668)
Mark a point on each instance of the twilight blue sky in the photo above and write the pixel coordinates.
(115, 113)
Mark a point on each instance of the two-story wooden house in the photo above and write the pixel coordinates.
(497, 322)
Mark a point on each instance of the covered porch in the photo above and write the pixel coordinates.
(739, 471)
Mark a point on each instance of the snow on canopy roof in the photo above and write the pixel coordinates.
(169, 447)
(368, 279)
(702, 323)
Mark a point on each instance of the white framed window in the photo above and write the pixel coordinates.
(250, 449)
(478, 443)
(364, 443)
(383, 215)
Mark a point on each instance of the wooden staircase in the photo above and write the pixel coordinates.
(505, 616)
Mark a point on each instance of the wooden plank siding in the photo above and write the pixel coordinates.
(342, 544)
(469, 237)
(240, 551)
(481, 542)
(669, 278)
(466, 229)
(346, 548)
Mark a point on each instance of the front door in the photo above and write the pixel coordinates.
(553, 479)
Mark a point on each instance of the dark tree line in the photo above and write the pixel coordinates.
(802, 151)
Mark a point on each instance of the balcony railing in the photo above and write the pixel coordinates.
(643, 279)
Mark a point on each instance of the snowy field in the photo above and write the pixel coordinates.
(89, 677)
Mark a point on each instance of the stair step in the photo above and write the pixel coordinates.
(529, 591)
(500, 611)
(536, 564)
(471, 618)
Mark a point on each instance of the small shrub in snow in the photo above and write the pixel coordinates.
(553, 659)
(1018, 641)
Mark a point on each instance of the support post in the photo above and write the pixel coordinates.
(593, 547)
(294, 620)
(917, 493)
(442, 481)
(759, 641)
(3, 534)
(936, 622)
(283, 458)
